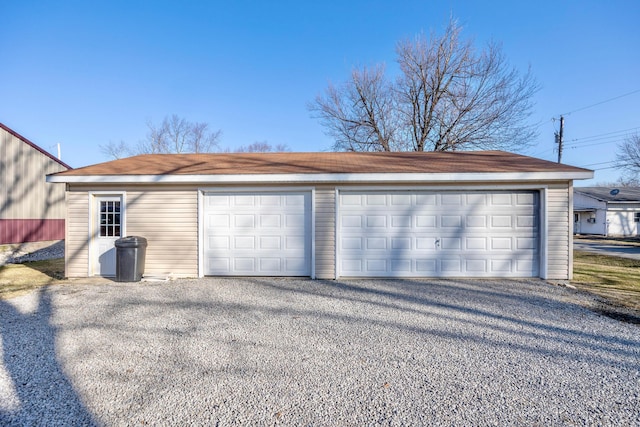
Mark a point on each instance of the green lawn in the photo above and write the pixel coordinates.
(614, 278)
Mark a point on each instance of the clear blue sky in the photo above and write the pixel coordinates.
(83, 73)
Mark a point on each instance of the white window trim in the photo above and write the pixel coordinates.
(203, 191)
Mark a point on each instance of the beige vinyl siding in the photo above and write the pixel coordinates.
(24, 192)
(559, 232)
(169, 222)
(325, 243)
(168, 217)
(77, 235)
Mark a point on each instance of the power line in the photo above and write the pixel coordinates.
(597, 164)
(606, 135)
(601, 102)
(594, 144)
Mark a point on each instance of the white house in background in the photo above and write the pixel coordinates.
(606, 211)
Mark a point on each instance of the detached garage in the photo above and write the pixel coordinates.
(326, 215)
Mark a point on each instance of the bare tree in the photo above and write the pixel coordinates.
(174, 135)
(116, 150)
(628, 157)
(262, 147)
(448, 97)
(360, 114)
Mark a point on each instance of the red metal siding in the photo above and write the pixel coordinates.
(30, 230)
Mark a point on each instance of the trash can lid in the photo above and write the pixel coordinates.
(131, 242)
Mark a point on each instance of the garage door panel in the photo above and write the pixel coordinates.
(244, 221)
(401, 221)
(376, 243)
(427, 266)
(501, 243)
(454, 221)
(244, 200)
(426, 221)
(476, 243)
(222, 221)
(452, 234)
(270, 221)
(451, 199)
(476, 265)
(451, 265)
(244, 242)
(270, 242)
(376, 221)
(401, 265)
(401, 200)
(264, 233)
(477, 221)
(400, 243)
(351, 266)
(351, 243)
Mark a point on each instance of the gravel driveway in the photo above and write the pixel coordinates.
(302, 352)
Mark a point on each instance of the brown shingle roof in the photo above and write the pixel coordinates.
(322, 163)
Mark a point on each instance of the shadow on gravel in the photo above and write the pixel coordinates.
(505, 314)
(41, 392)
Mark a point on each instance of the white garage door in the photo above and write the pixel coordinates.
(438, 234)
(257, 234)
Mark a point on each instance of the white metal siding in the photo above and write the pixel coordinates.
(437, 233)
(24, 192)
(257, 233)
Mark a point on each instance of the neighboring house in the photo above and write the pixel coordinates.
(607, 211)
(31, 209)
(326, 215)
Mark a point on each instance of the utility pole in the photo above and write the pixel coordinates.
(559, 136)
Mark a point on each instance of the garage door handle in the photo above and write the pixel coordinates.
(437, 242)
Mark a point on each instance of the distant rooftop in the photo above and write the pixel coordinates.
(604, 194)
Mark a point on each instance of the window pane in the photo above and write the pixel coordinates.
(103, 231)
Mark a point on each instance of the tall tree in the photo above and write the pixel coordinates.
(174, 135)
(448, 96)
(628, 157)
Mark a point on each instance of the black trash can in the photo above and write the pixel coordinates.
(130, 254)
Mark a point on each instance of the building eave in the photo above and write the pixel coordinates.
(319, 178)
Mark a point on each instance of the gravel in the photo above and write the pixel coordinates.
(300, 352)
(36, 251)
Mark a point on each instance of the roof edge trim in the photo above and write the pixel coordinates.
(315, 178)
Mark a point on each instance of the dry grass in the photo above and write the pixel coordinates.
(613, 278)
(19, 279)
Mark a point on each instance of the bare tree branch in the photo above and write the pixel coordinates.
(628, 157)
(359, 115)
(262, 147)
(174, 135)
(115, 150)
(448, 97)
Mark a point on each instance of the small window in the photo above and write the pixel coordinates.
(110, 219)
(636, 217)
